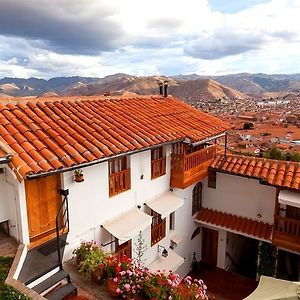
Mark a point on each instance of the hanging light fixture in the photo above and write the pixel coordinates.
(164, 253)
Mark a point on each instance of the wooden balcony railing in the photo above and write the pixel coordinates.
(158, 232)
(286, 233)
(124, 249)
(187, 169)
(158, 167)
(119, 182)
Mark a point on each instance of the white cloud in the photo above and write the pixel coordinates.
(98, 37)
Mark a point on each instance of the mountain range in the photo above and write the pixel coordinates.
(191, 88)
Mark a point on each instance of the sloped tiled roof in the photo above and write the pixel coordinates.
(51, 135)
(275, 172)
(235, 223)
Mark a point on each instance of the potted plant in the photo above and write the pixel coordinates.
(78, 175)
(131, 282)
(115, 265)
(91, 266)
(82, 251)
(189, 289)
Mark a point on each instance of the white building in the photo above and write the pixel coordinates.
(108, 168)
(247, 201)
(103, 169)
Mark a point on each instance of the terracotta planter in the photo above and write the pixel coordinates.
(78, 178)
(98, 276)
(111, 288)
(78, 260)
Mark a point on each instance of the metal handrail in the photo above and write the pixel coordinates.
(65, 219)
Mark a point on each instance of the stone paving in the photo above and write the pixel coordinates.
(86, 288)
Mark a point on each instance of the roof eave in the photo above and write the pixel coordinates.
(98, 161)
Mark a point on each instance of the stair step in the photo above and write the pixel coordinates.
(62, 292)
(54, 266)
(49, 282)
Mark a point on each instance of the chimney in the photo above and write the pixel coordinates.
(165, 88)
(160, 84)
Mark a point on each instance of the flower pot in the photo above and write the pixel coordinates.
(79, 259)
(78, 178)
(111, 288)
(98, 276)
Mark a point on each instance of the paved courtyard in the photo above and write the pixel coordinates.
(223, 285)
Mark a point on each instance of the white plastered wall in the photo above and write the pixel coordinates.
(185, 226)
(13, 204)
(241, 196)
(90, 206)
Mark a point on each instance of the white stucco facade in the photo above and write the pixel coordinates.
(241, 196)
(13, 206)
(90, 207)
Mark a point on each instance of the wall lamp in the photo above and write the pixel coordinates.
(164, 253)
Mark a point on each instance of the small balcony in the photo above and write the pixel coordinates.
(119, 182)
(158, 167)
(187, 169)
(286, 233)
(158, 232)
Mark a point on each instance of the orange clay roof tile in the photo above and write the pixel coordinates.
(58, 134)
(277, 173)
(235, 223)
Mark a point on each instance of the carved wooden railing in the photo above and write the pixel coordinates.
(286, 233)
(124, 249)
(119, 182)
(158, 167)
(190, 168)
(288, 226)
(158, 232)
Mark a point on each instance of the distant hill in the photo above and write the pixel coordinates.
(120, 84)
(35, 87)
(258, 84)
(191, 88)
(204, 90)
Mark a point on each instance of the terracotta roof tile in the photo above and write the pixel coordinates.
(235, 223)
(58, 134)
(278, 173)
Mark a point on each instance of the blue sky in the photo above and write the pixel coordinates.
(233, 6)
(42, 38)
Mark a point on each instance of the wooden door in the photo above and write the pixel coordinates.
(209, 246)
(43, 201)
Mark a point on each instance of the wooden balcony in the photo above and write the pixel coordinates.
(286, 233)
(119, 182)
(187, 169)
(158, 232)
(158, 167)
(124, 249)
